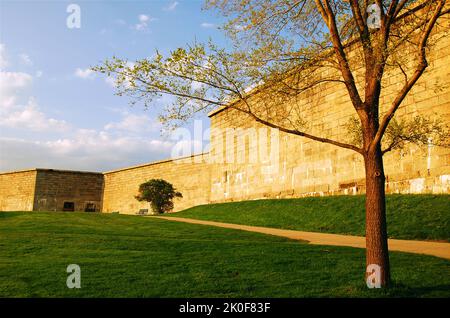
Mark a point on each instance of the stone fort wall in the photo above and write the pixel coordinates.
(305, 167)
(302, 167)
(56, 187)
(191, 176)
(17, 190)
(49, 190)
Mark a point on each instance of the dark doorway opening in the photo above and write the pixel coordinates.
(69, 206)
(90, 207)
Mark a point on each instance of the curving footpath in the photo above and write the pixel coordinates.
(410, 246)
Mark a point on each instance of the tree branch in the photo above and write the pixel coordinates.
(330, 20)
(248, 111)
(422, 65)
(299, 133)
(393, 144)
(364, 34)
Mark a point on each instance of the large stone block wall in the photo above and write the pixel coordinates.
(54, 187)
(302, 167)
(307, 167)
(190, 176)
(17, 190)
(47, 190)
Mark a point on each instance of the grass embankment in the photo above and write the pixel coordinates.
(128, 256)
(416, 217)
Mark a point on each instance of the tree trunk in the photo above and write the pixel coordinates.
(376, 231)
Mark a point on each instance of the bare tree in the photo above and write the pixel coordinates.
(280, 50)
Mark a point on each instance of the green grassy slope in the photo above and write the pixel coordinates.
(421, 217)
(129, 256)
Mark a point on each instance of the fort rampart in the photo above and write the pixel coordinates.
(301, 168)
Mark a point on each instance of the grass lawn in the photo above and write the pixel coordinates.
(416, 217)
(129, 256)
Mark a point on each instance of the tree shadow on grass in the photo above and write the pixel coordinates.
(403, 290)
(5, 215)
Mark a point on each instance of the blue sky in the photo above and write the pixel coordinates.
(54, 112)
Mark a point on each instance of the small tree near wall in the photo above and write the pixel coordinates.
(159, 193)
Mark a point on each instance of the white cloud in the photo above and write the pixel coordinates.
(86, 142)
(11, 84)
(120, 143)
(27, 115)
(3, 60)
(25, 59)
(144, 20)
(207, 25)
(7, 102)
(30, 117)
(11, 81)
(141, 27)
(134, 123)
(39, 73)
(84, 73)
(171, 6)
(87, 150)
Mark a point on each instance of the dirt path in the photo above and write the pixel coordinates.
(410, 246)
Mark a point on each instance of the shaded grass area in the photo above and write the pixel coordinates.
(417, 217)
(129, 256)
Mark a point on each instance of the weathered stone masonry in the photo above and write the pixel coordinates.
(304, 167)
(17, 190)
(192, 179)
(51, 190)
(307, 167)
